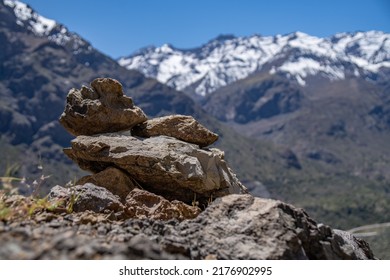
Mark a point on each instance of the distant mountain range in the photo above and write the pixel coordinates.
(302, 119)
(298, 56)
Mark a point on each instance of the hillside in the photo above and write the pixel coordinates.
(338, 131)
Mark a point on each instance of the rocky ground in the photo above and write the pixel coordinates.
(232, 227)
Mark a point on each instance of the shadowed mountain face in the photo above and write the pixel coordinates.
(339, 124)
(338, 132)
(322, 146)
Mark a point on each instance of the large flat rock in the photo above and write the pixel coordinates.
(163, 165)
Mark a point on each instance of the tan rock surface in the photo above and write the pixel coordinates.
(143, 204)
(181, 127)
(102, 108)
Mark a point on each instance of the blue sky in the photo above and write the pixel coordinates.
(120, 27)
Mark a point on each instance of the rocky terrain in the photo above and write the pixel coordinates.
(156, 198)
(232, 227)
(321, 145)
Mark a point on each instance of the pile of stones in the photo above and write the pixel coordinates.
(156, 168)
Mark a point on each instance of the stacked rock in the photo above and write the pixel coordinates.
(157, 168)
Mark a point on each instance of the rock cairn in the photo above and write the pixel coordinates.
(157, 168)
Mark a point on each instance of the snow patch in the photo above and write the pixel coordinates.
(37, 23)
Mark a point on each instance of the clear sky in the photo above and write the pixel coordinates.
(120, 27)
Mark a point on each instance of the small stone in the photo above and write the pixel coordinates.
(104, 108)
(143, 204)
(184, 128)
(116, 181)
(87, 197)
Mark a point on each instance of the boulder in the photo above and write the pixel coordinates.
(181, 127)
(87, 197)
(102, 108)
(246, 227)
(162, 165)
(116, 181)
(143, 204)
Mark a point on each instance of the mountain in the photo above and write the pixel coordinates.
(298, 56)
(37, 71)
(339, 133)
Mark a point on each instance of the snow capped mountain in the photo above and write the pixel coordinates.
(298, 55)
(43, 27)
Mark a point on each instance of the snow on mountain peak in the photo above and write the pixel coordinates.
(38, 24)
(44, 27)
(298, 55)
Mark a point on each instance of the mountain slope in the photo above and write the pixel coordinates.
(338, 131)
(227, 59)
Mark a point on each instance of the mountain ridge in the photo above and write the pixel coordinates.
(297, 55)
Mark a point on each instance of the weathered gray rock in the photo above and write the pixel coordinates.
(116, 181)
(232, 227)
(87, 197)
(181, 127)
(104, 108)
(142, 204)
(245, 227)
(162, 165)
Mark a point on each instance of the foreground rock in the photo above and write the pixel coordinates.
(87, 197)
(143, 204)
(102, 108)
(184, 128)
(162, 165)
(232, 227)
(80, 236)
(245, 227)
